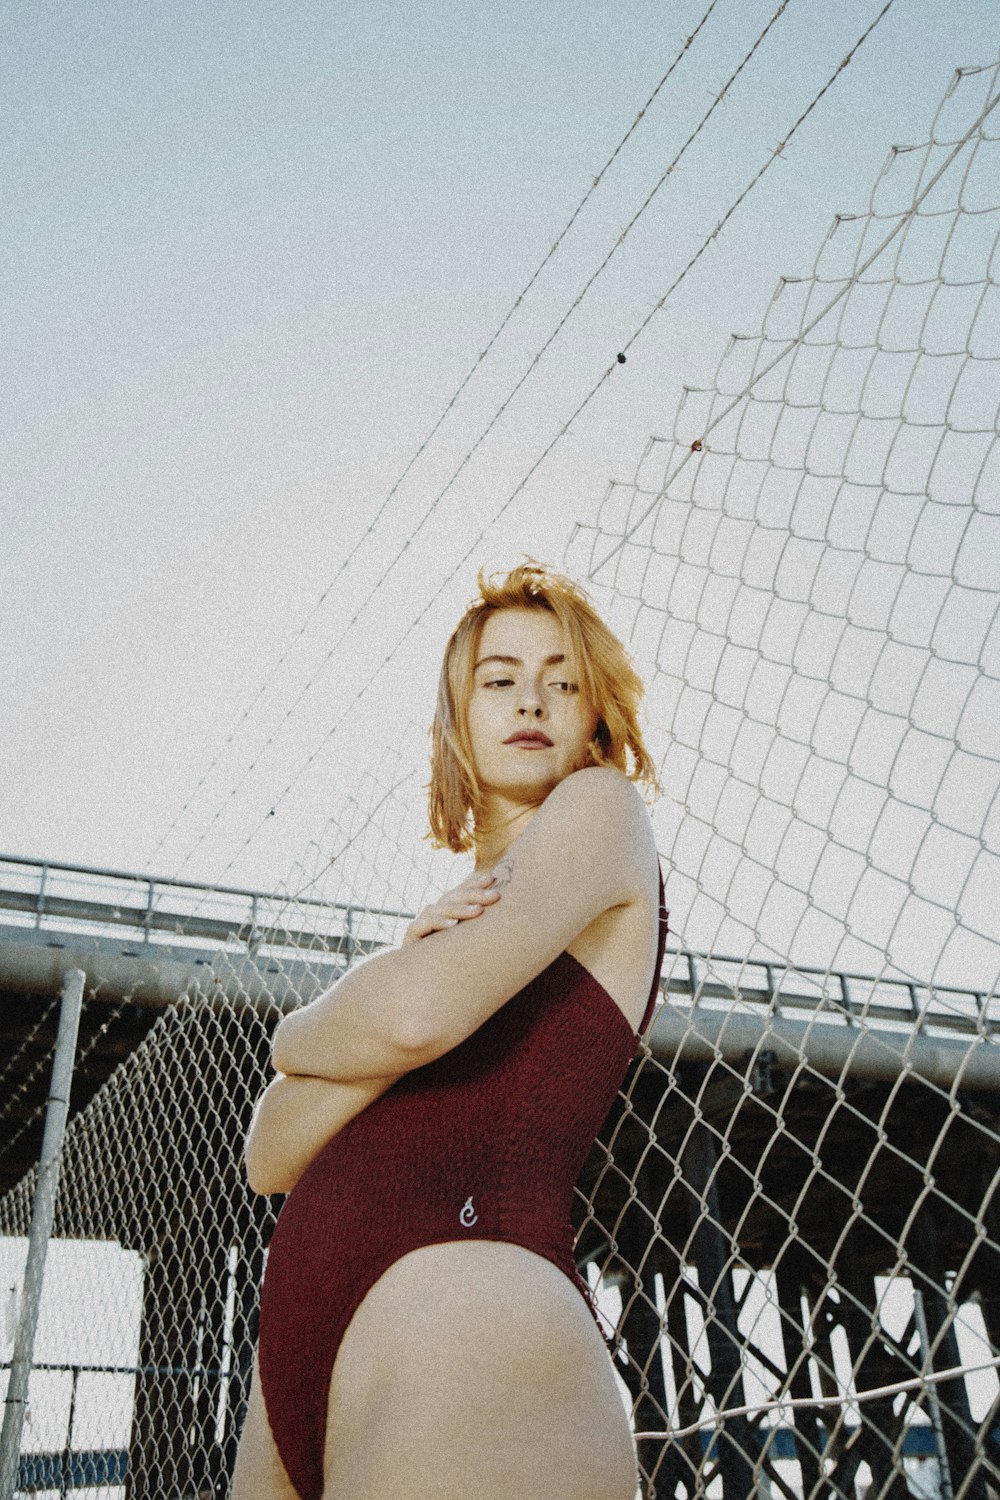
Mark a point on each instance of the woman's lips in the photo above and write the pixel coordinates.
(534, 741)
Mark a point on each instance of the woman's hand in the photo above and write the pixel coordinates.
(294, 1119)
(464, 902)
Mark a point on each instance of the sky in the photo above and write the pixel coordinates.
(251, 252)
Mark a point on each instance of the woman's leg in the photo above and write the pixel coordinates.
(259, 1472)
(475, 1370)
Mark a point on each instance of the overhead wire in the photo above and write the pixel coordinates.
(560, 434)
(274, 671)
(717, 99)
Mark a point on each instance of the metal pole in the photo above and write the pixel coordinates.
(711, 1251)
(66, 1473)
(42, 1213)
(933, 1399)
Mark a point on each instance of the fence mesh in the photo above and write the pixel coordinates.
(794, 1203)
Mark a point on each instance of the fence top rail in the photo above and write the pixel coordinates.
(777, 969)
(773, 981)
(151, 883)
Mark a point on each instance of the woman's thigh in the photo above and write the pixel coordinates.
(502, 1458)
(476, 1369)
(259, 1472)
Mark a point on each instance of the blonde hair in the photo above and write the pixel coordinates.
(609, 682)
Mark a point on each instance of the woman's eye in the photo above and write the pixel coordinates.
(498, 682)
(565, 687)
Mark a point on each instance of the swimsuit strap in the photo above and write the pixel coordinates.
(661, 947)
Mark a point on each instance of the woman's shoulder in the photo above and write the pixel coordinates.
(609, 808)
(602, 792)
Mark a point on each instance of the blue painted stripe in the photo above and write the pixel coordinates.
(87, 1469)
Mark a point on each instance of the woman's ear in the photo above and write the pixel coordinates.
(601, 742)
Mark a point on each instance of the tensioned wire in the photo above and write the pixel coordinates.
(598, 385)
(808, 1403)
(352, 838)
(17, 1094)
(27, 1041)
(505, 404)
(423, 446)
(549, 448)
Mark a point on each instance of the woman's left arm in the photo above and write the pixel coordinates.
(293, 1121)
(589, 847)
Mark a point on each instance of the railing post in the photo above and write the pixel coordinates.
(692, 977)
(66, 1472)
(42, 1213)
(40, 902)
(845, 998)
(915, 1005)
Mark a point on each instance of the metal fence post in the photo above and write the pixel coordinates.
(933, 1399)
(42, 1213)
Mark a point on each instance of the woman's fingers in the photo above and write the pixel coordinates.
(464, 903)
(467, 899)
(468, 904)
(451, 912)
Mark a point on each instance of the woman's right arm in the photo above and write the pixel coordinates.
(294, 1119)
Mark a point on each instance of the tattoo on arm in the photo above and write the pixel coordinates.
(503, 872)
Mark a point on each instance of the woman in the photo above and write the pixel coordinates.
(422, 1326)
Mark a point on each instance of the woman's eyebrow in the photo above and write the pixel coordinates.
(509, 661)
(515, 661)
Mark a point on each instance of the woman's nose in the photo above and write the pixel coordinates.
(531, 700)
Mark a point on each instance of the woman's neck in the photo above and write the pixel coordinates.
(501, 822)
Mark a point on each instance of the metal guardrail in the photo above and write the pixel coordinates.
(47, 890)
(80, 898)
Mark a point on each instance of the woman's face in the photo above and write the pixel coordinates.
(528, 722)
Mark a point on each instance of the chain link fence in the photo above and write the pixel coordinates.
(794, 1216)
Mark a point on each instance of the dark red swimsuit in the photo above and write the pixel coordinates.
(484, 1143)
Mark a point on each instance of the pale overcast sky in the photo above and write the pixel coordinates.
(251, 251)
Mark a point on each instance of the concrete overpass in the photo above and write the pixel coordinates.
(144, 941)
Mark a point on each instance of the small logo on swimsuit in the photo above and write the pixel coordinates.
(468, 1215)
